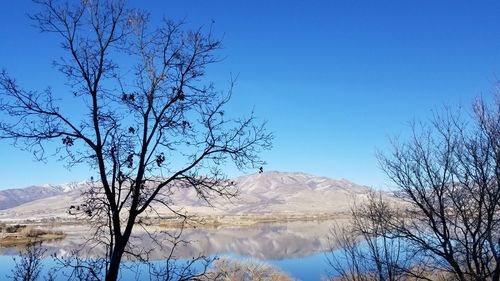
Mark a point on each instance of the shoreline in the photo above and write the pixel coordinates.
(193, 220)
(222, 221)
(57, 229)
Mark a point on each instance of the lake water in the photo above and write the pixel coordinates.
(296, 247)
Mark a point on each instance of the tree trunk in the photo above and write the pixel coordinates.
(116, 258)
(121, 242)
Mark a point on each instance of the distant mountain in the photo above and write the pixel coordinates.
(284, 193)
(265, 193)
(10, 198)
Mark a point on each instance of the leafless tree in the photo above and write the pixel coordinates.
(28, 266)
(448, 173)
(147, 120)
(170, 267)
(366, 249)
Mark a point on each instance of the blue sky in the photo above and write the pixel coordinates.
(334, 79)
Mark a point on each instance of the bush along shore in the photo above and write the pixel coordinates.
(17, 234)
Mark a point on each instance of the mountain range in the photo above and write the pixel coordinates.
(10, 198)
(275, 193)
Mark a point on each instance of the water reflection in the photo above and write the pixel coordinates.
(268, 241)
(265, 241)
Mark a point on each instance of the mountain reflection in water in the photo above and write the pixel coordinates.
(294, 247)
(266, 241)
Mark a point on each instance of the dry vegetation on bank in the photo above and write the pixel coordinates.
(17, 234)
(249, 270)
(245, 220)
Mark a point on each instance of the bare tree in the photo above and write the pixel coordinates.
(149, 123)
(366, 248)
(449, 174)
(174, 270)
(28, 267)
(170, 267)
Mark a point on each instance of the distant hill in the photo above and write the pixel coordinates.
(10, 198)
(281, 193)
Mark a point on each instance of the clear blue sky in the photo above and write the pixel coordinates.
(334, 79)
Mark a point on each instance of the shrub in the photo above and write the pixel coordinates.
(14, 228)
(229, 269)
(33, 232)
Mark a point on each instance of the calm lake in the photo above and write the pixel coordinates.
(295, 247)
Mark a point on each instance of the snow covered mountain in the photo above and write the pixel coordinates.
(10, 198)
(281, 193)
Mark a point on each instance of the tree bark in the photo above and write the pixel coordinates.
(116, 258)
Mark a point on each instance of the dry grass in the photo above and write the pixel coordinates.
(23, 235)
(226, 269)
(247, 220)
